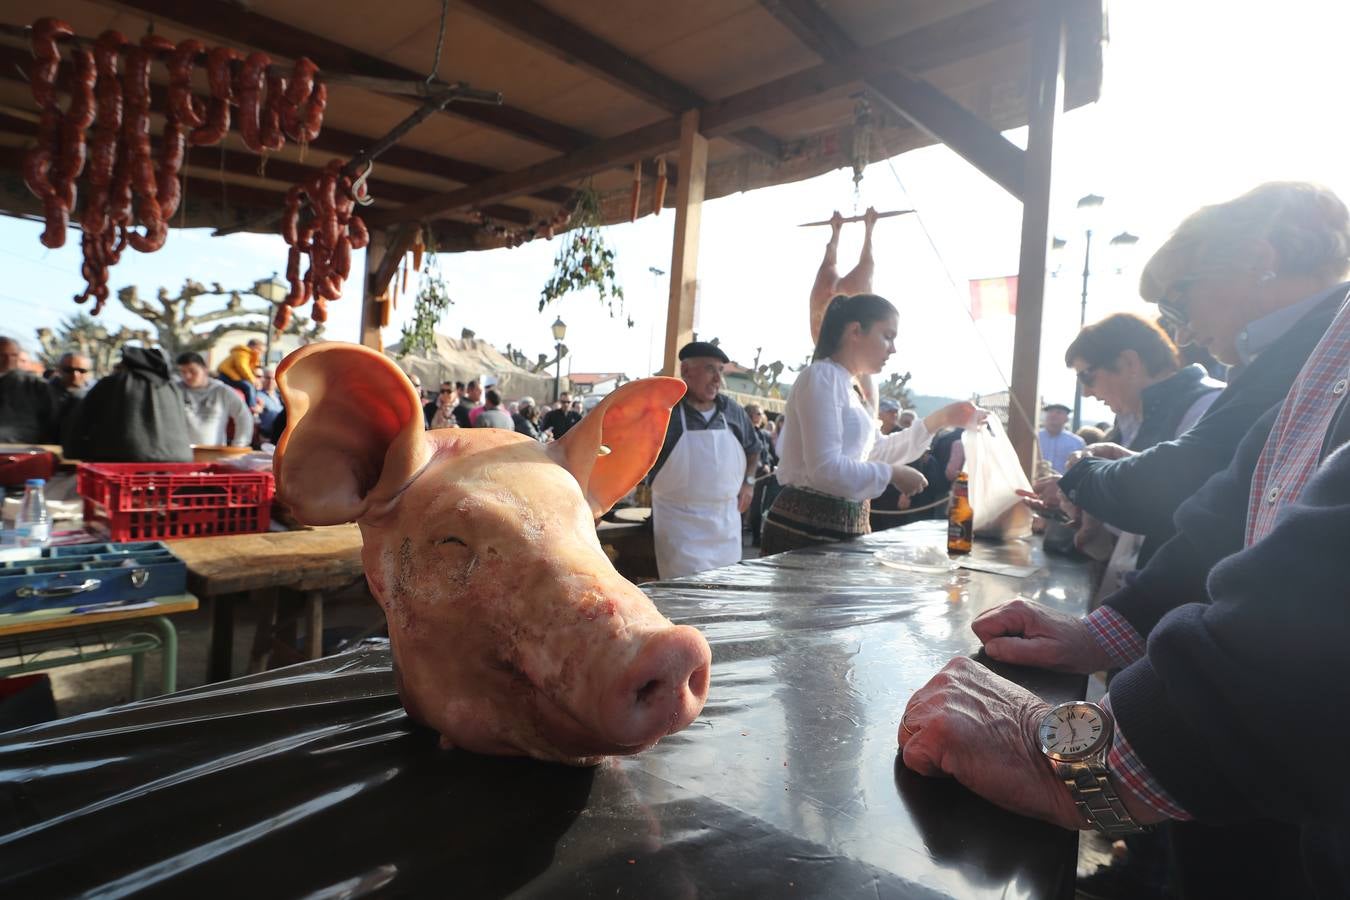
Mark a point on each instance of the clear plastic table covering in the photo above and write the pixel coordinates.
(310, 781)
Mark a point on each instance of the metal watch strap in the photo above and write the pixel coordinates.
(1096, 798)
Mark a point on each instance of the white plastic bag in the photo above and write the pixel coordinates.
(995, 478)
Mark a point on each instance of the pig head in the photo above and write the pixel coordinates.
(511, 632)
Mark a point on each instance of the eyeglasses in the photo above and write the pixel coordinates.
(1175, 307)
(72, 370)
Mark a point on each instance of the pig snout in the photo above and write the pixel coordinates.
(661, 691)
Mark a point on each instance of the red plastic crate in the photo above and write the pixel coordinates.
(145, 501)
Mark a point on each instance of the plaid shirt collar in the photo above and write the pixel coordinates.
(1294, 448)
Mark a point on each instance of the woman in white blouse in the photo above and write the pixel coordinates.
(833, 457)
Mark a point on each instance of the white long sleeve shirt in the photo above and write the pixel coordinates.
(831, 442)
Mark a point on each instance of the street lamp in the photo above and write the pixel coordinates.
(559, 332)
(1088, 209)
(651, 327)
(273, 291)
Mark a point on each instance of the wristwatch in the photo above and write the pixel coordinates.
(1075, 738)
(749, 481)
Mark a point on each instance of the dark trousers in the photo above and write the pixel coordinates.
(1252, 859)
(757, 507)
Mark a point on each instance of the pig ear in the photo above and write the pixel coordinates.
(354, 432)
(631, 424)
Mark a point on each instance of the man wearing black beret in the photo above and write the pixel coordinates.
(704, 476)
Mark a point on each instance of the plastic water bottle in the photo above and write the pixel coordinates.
(33, 528)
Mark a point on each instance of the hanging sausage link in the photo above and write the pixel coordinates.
(127, 186)
(42, 164)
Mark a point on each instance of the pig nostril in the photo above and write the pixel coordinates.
(644, 693)
(698, 682)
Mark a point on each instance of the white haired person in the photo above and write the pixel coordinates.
(1256, 281)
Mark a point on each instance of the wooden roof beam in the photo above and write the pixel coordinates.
(563, 39)
(973, 139)
(973, 34)
(644, 143)
(199, 189)
(14, 65)
(237, 24)
(238, 163)
(909, 96)
(812, 27)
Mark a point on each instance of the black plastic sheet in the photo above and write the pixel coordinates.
(311, 782)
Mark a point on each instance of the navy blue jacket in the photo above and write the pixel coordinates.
(1140, 494)
(1238, 708)
(1166, 403)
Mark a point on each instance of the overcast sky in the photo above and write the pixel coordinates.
(1201, 101)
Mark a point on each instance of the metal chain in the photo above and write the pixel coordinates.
(440, 43)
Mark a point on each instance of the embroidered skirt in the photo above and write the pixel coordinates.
(801, 517)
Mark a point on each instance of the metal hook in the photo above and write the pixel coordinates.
(360, 191)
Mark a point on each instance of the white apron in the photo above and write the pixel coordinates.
(694, 517)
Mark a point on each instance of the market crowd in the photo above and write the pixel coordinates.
(1217, 504)
(146, 411)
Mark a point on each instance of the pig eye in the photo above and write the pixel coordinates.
(452, 540)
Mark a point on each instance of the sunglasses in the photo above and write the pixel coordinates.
(71, 370)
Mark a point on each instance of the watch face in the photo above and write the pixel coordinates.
(1073, 730)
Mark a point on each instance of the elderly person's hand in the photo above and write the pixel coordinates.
(1104, 450)
(1028, 634)
(1108, 450)
(980, 729)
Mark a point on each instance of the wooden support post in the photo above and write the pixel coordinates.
(1044, 100)
(264, 602)
(684, 254)
(370, 310)
(313, 624)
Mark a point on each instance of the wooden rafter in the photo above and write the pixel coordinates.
(969, 36)
(198, 189)
(14, 66)
(643, 143)
(563, 39)
(237, 163)
(812, 27)
(221, 19)
(909, 96)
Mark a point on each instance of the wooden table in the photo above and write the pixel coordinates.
(31, 636)
(788, 784)
(226, 568)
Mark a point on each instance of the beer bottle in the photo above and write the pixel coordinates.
(960, 517)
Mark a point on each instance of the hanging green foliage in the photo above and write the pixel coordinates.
(432, 300)
(584, 260)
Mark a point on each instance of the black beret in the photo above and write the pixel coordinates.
(1060, 406)
(695, 349)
